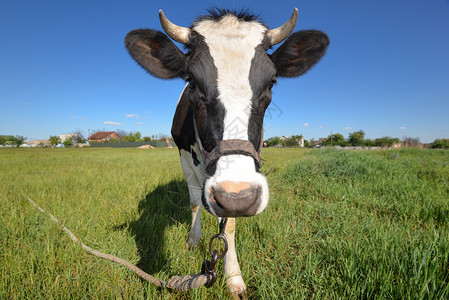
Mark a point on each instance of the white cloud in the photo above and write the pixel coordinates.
(83, 118)
(72, 117)
(321, 126)
(347, 128)
(112, 123)
(27, 103)
(134, 116)
(138, 123)
(305, 125)
(402, 128)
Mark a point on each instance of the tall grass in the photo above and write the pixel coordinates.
(340, 224)
(378, 227)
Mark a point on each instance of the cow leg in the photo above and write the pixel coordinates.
(195, 198)
(232, 271)
(195, 231)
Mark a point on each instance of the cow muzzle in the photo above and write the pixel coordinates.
(236, 199)
(236, 189)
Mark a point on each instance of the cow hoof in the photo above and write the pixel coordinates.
(237, 287)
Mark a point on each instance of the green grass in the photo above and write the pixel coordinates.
(340, 224)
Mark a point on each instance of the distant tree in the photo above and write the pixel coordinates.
(79, 137)
(138, 136)
(357, 138)
(411, 142)
(312, 143)
(385, 141)
(68, 142)
(273, 141)
(393, 141)
(297, 138)
(147, 139)
(6, 139)
(54, 140)
(132, 137)
(161, 137)
(121, 133)
(440, 143)
(336, 139)
(306, 144)
(113, 140)
(289, 142)
(368, 143)
(17, 140)
(80, 140)
(292, 141)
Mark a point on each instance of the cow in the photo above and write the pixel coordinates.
(218, 122)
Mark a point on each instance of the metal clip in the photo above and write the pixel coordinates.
(209, 267)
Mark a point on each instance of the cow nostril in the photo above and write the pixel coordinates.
(212, 195)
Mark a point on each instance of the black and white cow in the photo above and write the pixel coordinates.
(218, 122)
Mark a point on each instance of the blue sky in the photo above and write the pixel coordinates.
(63, 67)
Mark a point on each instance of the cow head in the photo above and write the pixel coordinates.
(230, 76)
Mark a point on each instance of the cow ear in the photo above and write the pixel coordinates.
(156, 53)
(299, 53)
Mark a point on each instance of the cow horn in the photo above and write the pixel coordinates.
(178, 33)
(279, 34)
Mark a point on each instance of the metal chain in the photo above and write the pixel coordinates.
(209, 267)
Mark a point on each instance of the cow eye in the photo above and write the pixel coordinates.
(192, 83)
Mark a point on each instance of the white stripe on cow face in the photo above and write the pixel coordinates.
(232, 44)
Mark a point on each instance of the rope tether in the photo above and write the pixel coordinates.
(179, 283)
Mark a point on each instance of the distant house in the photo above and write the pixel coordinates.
(320, 142)
(103, 137)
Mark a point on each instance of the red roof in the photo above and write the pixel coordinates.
(101, 135)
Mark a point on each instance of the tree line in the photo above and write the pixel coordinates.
(355, 139)
(132, 136)
(77, 137)
(136, 136)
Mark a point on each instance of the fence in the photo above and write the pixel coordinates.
(155, 144)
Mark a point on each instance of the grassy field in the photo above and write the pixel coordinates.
(340, 224)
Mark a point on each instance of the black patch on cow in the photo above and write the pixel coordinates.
(261, 77)
(196, 162)
(199, 100)
(203, 93)
(156, 53)
(300, 52)
(182, 128)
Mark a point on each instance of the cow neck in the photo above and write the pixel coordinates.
(228, 147)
